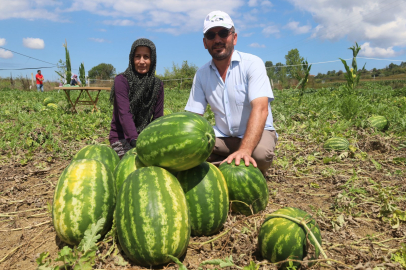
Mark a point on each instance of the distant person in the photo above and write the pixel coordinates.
(74, 80)
(40, 79)
(137, 96)
(236, 86)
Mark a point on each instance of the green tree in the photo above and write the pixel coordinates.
(270, 70)
(102, 71)
(181, 76)
(280, 74)
(293, 58)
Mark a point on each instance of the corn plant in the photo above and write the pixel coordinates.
(352, 74)
(303, 80)
(68, 71)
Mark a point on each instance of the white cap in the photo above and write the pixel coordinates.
(217, 18)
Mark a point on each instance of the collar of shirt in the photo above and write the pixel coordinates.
(235, 57)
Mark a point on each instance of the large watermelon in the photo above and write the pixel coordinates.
(38, 107)
(280, 239)
(337, 144)
(176, 142)
(247, 187)
(83, 195)
(129, 163)
(152, 217)
(100, 152)
(379, 122)
(207, 196)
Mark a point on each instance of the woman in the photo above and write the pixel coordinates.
(137, 96)
(74, 80)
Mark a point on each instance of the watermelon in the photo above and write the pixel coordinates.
(247, 187)
(337, 144)
(130, 152)
(84, 194)
(48, 100)
(38, 107)
(280, 239)
(167, 111)
(379, 122)
(100, 152)
(129, 163)
(52, 106)
(177, 142)
(207, 196)
(152, 217)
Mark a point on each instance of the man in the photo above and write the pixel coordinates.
(237, 88)
(39, 78)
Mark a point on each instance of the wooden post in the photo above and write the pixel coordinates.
(32, 79)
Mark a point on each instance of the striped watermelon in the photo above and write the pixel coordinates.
(129, 163)
(100, 152)
(83, 195)
(379, 122)
(48, 100)
(281, 239)
(247, 188)
(176, 142)
(38, 107)
(337, 144)
(152, 217)
(207, 196)
(52, 106)
(167, 111)
(130, 152)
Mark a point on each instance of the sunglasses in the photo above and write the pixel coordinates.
(223, 33)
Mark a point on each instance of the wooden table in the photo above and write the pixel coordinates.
(83, 89)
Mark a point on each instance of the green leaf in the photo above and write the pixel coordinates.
(179, 263)
(40, 259)
(66, 255)
(222, 263)
(91, 236)
(251, 266)
(119, 261)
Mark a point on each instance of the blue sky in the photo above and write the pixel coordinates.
(102, 31)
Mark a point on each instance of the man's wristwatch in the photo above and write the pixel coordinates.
(133, 143)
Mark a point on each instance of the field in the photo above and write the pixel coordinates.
(358, 197)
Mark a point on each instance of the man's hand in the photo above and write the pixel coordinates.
(238, 155)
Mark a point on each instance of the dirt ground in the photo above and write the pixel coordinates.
(355, 237)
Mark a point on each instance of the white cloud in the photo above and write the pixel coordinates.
(2, 41)
(252, 3)
(368, 51)
(294, 26)
(99, 40)
(5, 54)
(119, 22)
(247, 34)
(34, 43)
(269, 30)
(267, 4)
(30, 10)
(381, 23)
(257, 45)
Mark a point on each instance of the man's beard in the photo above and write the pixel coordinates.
(222, 55)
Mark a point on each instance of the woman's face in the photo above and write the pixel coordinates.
(142, 59)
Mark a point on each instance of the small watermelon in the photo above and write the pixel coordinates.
(48, 100)
(52, 106)
(247, 188)
(38, 107)
(280, 238)
(379, 122)
(337, 144)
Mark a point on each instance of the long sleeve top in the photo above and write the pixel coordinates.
(122, 124)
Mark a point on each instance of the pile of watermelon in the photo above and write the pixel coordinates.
(161, 193)
(47, 104)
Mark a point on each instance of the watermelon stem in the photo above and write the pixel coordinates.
(304, 223)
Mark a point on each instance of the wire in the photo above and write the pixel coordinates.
(28, 56)
(23, 68)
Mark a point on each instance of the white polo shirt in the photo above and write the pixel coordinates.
(246, 80)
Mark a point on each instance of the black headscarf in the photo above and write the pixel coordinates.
(144, 88)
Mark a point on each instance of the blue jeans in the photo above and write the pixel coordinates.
(40, 87)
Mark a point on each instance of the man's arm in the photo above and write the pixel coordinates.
(253, 134)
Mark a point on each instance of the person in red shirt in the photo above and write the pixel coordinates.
(40, 79)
